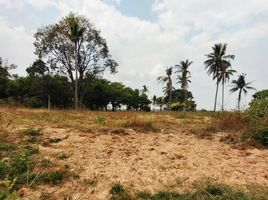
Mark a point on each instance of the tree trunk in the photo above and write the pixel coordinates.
(239, 99)
(76, 79)
(222, 102)
(216, 96)
(48, 102)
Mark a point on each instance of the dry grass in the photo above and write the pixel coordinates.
(99, 148)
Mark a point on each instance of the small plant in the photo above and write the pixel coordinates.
(7, 190)
(62, 156)
(117, 189)
(30, 150)
(7, 146)
(215, 190)
(54, 178)
(32, 140)
(45, 163)
(54, 140)
(99, 119)
(32, 132)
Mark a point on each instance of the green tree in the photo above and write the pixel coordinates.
(215, 62)
(4, 76)
(168, 81)
(73, 45)
(154, 100)
(225, 74)
(144, 89)
(160, 102)
(241, 86)
(184, 75)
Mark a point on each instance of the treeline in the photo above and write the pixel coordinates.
(41, 88)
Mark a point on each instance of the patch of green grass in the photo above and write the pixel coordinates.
(31, 132)
(7, 146)
(30, 150)
(32, 140)
(54, 178)
(118, 192)
(117, 189)
(99, 120)
(45, 163)
(211, 191)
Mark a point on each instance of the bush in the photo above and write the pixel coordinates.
(31, 132)
(258, 109)
(262, 136)
(53, 178)
(117, 189)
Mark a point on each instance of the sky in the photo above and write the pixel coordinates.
(147, 36)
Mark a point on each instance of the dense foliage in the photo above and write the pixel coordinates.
(42, 88)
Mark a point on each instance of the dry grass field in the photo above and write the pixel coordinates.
(67, 154)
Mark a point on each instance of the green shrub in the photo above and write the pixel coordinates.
(117, 189)
(30, 150)
(215, 190)
(54, 178)
(32, 132)
(262, 136)
(258, 109)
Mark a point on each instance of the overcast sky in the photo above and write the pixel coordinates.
(146, 36)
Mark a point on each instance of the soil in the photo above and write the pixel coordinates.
(145, 162)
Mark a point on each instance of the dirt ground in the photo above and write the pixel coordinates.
(145, 162)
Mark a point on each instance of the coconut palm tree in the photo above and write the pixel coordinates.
(144, 89)
(215, 62)
(184, 75)
(75, 32)
(154, 100)
(225, 73)
(241, 86)
(169, 86)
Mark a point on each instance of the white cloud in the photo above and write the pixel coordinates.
(16, 45)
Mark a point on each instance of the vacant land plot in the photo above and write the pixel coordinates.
(82, 155)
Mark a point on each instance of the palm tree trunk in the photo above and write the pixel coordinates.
(76, 79)
(216, 96)
(239, 99)
(222, 103)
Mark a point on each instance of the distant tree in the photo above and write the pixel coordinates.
(225, 74)
(241, 86)
(179, 95)
(154, 100)
(144, 89)
(168, 81)
(160, 102)
(184, 75)
(4, 76)
(215, 62)
(73, 45)
(38, 68)
(263, 94)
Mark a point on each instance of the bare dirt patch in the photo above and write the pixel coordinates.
(145, 162)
